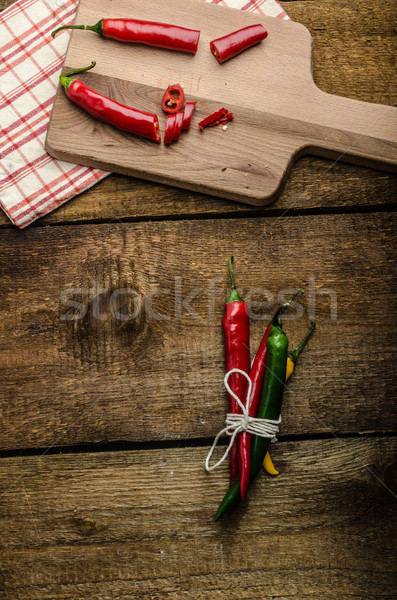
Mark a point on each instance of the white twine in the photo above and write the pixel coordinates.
(236, 423)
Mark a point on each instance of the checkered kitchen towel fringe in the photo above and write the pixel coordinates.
(32, 183)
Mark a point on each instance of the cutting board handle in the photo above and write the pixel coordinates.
(354, 131)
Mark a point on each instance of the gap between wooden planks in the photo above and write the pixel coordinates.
(138, 525)
(158, 376)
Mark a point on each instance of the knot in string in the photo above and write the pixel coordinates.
(236, 423)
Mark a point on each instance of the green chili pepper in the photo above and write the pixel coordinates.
(270, 403)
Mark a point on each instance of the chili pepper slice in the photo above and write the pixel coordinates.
(236, 42)
(109, 111)
(173, 99)
(178, 125)
(219, 116)
(150, 33)
(187, 117)
(235, 325)
(169, 129)
(257, 376)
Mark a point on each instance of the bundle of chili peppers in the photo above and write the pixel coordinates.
(266, 377)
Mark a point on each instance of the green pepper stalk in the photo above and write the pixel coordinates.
(97, 28)
(65, 78)
(270, 403)
(293, 355)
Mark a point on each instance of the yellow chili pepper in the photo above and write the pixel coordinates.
(291, 362)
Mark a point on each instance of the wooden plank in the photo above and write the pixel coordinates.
(141, 357)
(353, 56)
(138, 525)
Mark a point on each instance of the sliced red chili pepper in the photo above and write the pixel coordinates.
(178, 125)
(187, 117)
(219, 116)
(173, 98)
(222, 120)
(160, 35)
(105, 109)
(169, 129)
(232, 44)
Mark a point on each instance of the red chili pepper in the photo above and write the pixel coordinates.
(232, 44)
(219, 116)
(105, 109)
(173, 99)
(235, 325)
(169, 129)
(187, 117)
(257, 376)
(160, 35)
(178, 125)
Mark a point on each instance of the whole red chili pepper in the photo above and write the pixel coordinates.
(173, 99)
(235, 325)
(257, 376)
(232, 44)
(160, 35)
(105, 109)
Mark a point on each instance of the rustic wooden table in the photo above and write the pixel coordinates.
(107, 420)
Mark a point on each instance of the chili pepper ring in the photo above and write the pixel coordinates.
(235, 423)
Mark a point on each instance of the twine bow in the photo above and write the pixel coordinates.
(236, 423)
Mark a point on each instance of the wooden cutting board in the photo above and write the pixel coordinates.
(280, 114)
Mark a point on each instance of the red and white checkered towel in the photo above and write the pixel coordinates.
(32, 183)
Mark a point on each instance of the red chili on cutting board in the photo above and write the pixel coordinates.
(187, 116)
(232, 44)
(169, 129)
(219, 117)
(173, 99)
(177, 122)
(105, 109)
(160, 35)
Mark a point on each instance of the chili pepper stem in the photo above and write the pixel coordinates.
(283, 307)
(97, 28)
(293, 355)
(64, 79)
(234, 297)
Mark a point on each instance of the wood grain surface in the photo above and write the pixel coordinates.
(283, 116)
(138, 525)
(132, 520)
(123, 322)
